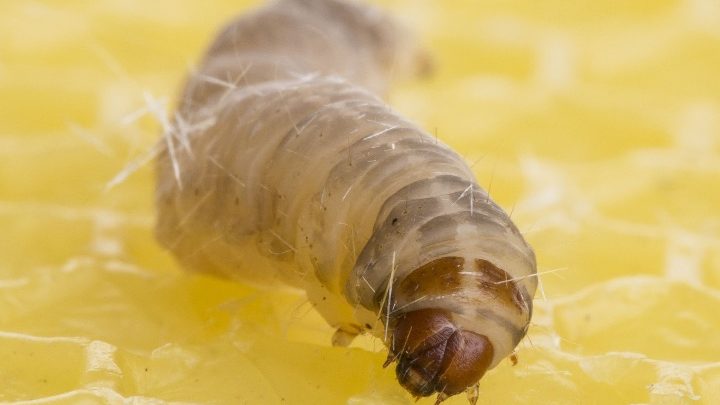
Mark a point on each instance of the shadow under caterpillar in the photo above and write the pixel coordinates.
(284, 164)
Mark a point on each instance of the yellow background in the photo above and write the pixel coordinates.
(597, 123)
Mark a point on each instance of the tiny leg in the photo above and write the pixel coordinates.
(344, 335)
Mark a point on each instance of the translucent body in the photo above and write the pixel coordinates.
(283, 156)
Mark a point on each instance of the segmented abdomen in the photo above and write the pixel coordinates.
(284, 164)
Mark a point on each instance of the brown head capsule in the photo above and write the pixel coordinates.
(436, 356)
(463, 316)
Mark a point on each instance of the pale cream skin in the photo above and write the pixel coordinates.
(285, 165)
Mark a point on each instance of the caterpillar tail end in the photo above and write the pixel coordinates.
(435, 356)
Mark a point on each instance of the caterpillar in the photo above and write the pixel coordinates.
(283, 163)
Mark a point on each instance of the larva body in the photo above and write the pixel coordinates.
(284, 165)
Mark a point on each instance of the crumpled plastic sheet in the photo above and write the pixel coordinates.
(596, 123)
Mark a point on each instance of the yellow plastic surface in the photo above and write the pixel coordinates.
(597, 122)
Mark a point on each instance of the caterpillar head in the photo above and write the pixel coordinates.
(434, 355)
